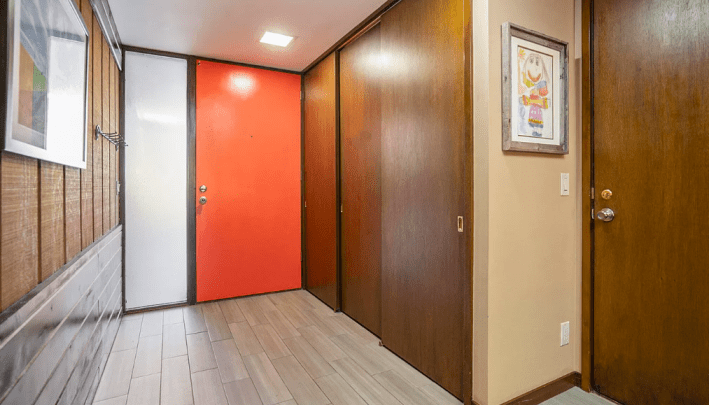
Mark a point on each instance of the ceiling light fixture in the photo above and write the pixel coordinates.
(276, 39)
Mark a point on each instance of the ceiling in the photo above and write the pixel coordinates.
(231, 29)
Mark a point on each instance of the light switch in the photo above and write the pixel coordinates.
(564, 183)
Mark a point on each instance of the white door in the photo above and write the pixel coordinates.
(155, 180)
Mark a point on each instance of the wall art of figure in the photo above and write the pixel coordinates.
(535, 95)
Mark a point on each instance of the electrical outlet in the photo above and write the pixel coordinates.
(565, 333)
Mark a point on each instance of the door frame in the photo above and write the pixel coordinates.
(191, 160)
(588, 193)
(191, 179)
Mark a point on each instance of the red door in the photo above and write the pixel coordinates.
(248, 157)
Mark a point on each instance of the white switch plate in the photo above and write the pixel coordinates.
(564, 333)
(564, 183)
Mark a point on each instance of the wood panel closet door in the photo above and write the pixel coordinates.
(320, 156)
(360, 140)
(423, 151)
(651, 142)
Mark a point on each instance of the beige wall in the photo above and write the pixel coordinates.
(527, 237)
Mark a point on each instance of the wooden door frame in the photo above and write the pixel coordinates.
(587, 176)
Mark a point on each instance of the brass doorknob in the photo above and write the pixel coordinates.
(605, 215)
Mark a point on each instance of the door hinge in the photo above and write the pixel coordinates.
(593, 214)
(118, 187)
(460, 224)
(305, 205)
(593, 193)
(341, 209)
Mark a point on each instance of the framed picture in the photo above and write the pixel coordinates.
(47, 81)
(535, 88)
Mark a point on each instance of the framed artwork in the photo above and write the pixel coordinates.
(47, 81)
(535, 88)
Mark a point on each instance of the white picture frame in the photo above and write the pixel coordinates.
(47, 59)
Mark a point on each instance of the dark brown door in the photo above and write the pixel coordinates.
(360, 143)
(320, 158)
(423, 150)
(651, 145)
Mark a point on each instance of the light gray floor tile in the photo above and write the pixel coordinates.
(148, 359)
(231, 366)
(172, 315)
(245, 339)
(242, 392)
(194, 319)
(176, 385)
(299, 383)
(576, 396)
(199, 350)
(128, 335)
(216, 324)
(174, 342)
(231, 311)
(152, 324)
(116, 376)
(266, 379)
(144, 390)
(208, 388)
(270, 341)
(114, 401)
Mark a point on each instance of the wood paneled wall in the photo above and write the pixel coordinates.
(405, 84)
(49, 212)
(320, 157)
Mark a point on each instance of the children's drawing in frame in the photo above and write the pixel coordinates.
(535, 92)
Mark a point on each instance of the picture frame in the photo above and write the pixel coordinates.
(535, 89)
(46, 81)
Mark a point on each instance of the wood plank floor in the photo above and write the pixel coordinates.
(282, 348)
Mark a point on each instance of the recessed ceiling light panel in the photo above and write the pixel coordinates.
(276, 39)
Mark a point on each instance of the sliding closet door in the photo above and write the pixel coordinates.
(320, 155)
(360, 140)
(423, 149)
(156, 168)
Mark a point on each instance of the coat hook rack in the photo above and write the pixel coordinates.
(114, 137)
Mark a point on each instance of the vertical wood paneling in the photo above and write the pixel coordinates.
(107, 60)
(72, 204)
(19, 227)
(112, 149)
(361, 144)
(117, 161)
(423, 147)
(98, 119)
(87, 183)
(51, 214)
(320, 156)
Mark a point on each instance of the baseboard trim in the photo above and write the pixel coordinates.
(548, 391)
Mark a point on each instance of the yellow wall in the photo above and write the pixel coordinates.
(527, 278)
